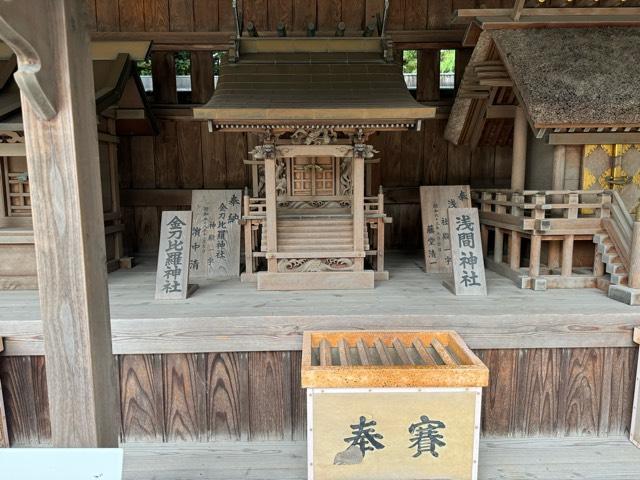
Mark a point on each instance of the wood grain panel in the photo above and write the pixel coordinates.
(329, 14)
(189, 154)
(256, 11)
(617, 390)
(17, 388)
(213, 158)
(124, 163)
(353, 14)
(499, 398)
(436, 152)
(537, 392)
(205, 15)
(166, 155)
(41, 399)
(482, 167)
(270, 395)
(90, 14)
(184, 397)
(402, 234)
(156, 15)
(298, 399)
(236, 152)
(141, 398)
(503, 160)
(4, 432)
(458, 165)
(181, 15)
(304, 12)
(580, 392)
(410, 162)
(392, 164)
(395, 20)
(147, 229)
(415, 14)
(280, 11)
(201, 77)
(440, 13)
(163, 74)
(143, 171)
(131, 14)
(107, 18)
(428, 76)
(372, 9)
(227, 379)
(226, 19)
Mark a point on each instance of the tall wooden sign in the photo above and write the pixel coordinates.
(215, 239)
(466, 253)
(434, 202)
(172, 277)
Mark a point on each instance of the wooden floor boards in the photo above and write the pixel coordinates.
(500, 458)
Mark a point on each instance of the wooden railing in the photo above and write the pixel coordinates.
(544, 212)
(624, 232)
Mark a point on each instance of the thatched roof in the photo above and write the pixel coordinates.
(321, 80)
(576, 77)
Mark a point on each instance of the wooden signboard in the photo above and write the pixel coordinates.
(361, 434)
(215, 239)
(172, 277)
(466, 253)
(434, 202)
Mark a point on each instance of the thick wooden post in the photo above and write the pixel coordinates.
(519, 161)
(271, 204)
(557, 183)
(248, 234)
(634, 257)
(358, 208)
(62, 155)
(380, 233)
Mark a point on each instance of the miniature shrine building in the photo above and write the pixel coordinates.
(325, 122)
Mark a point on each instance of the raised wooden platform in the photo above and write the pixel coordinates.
(507, 459)
(229, 315)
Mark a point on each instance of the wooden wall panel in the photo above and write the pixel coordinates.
(156, 15)
(131, 15)
(257, 395)
(270, 395)
(107, 16)
(166, 155)
(141, 398)
(329, 14)
(201, 76)
(256, 11)
(205, 15)
(189, 145)
(353, 14)
(227, 384)
(214, 168)
(280, 11)
(304, 12)
(184, 397)
(181, 16)
(415, 14)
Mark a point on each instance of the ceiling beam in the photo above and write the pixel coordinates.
(517, 10)
(604, 138)
(466, 13)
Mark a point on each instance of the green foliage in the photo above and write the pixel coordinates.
(410, 61)
(183, 64)
(447, 61)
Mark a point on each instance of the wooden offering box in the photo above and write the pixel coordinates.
(401, 405)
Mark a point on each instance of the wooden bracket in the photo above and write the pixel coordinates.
(28, 35)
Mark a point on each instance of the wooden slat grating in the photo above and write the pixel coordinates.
(374, 359)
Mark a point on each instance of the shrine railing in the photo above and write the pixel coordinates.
(255, 208)
(551, 212)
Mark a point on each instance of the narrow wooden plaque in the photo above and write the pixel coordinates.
(466, 252)
(434, 202)
(215, 239)
(172, 278)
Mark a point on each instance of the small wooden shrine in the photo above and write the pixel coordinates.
(121, 110)
(566, 221)
(314, 103)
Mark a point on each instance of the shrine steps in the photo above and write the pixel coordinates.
(616, 271)
(291, 281)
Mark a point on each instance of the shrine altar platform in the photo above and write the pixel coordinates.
(228, 315)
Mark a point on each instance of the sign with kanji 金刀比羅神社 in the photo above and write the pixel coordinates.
(434, 203)
(466, 253)
(172, 278)
(215, 237)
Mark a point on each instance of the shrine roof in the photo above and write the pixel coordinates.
(574, 76)
(328, 81)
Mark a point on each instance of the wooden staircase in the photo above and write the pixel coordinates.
(614, 264)
(317, 234)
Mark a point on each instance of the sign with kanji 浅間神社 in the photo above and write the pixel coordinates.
(215, 234)
(434, 203)
(172, 278)
(466, 253)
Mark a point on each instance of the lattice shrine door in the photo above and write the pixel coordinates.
(313, 176)
(613, 167)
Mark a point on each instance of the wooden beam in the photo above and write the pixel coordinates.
(517, 10)
(604, 138)
(501, 111)
(466, 13)
(519, 161)
(64, 173)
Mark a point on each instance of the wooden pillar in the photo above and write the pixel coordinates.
(56, 80)
(519, 161)
(498, 250)
(557, 183)
(567, 256)
(248, 234)
(634, 431)
(634, 256)
(380, 233)
(515, 246)
(534, 256)
(358, 209)
(271, 203)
